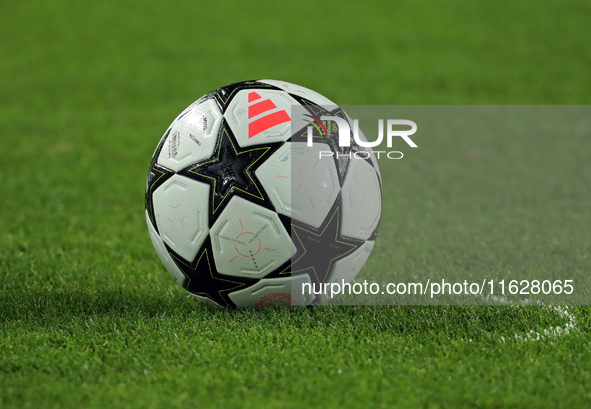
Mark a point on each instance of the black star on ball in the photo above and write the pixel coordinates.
(205, 281)
(318, 249)
(230, 171)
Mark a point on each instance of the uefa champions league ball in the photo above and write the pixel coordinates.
(251, 201)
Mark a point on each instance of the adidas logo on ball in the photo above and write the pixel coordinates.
(258, 106)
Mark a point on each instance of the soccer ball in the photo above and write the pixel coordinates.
(244, 213)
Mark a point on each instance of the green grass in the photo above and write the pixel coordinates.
(89, 316)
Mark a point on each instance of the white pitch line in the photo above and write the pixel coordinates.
(571, 324)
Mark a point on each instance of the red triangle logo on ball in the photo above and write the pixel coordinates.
(266, 122)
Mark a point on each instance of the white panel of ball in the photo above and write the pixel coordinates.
(274, 292)
(249, 240)
(181, 211)
(314, 183)
(361, 200)
(192, 136)
(165, 257)
(275, 176)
